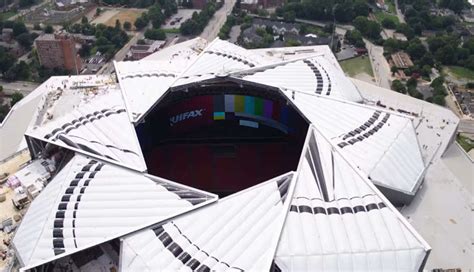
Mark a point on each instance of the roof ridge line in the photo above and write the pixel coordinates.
(372, 186)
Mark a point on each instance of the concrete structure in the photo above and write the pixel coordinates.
(58, 51)
(327, 214)
(401, 60)
(139, 51)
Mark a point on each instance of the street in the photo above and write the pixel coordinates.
(379, 64)
(120, 55)
(212, 29)
(466, 126)
(400, 16)
(340, 29)
(24, 87)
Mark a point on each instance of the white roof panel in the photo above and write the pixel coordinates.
(382, 143)
(90, 202)
(97, 126)
(142, 84)
(313, 75)
(239, 232)
(342, 222)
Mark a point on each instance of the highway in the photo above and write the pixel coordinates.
(212, 29)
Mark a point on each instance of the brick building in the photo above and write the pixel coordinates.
(58, 50)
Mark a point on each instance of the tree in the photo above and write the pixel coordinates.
(394, 69)
(140, 23)
(49, 29)
(84, 20)
(6, 60)
(361, 8)
(416, 49)
(25, 40)
(437, 82)
(389, 23)
(15, 97)
(85, 50)
(155, 34)
(397, 86)
(439, 99)
(118, 25)
(289, 16)
(412, 82)
(37, 26)
(127, 26)
(98, 11)
(26, 3)
(19, 28)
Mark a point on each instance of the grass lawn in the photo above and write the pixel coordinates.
(465, 143)
(380, 15)
(461, 72)
(171, 30)
(357, 66)
(391, 6)
(6, 15)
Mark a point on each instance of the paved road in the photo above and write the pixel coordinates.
(218, 20)
(23, 12)
(400, 16)
(340, 29)
(379, 64)
(24, 87)
(466, 126)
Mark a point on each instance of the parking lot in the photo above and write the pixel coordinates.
(93, 64)
(177, 19)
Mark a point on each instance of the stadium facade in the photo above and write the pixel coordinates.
(212, 157)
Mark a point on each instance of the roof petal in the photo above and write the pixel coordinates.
(239, 232)
(341, 221)
(91, 202)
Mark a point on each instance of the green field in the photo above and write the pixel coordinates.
(6, 15)
(391, 6)
(380, 15)
(461, 72)
(357, 66)
(171, 30)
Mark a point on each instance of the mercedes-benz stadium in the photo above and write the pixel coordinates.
(210, 157)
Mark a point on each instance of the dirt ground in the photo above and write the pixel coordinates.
(7, 210)
(109, 16)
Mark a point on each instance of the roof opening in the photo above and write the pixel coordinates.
(222, 139)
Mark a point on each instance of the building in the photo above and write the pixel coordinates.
(139, 51)
(67, 4)
(58, 51)
(341, 157)
(400, 37)
(401, 60)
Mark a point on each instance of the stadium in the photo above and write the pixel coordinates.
(207, 156)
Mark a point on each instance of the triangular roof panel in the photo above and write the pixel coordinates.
(339, 221)
(90, 202)
(382, 143)
(239, 232)
(97, 125)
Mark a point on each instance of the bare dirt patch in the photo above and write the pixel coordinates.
(128, 15)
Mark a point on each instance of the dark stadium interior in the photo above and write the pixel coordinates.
(222, 140)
